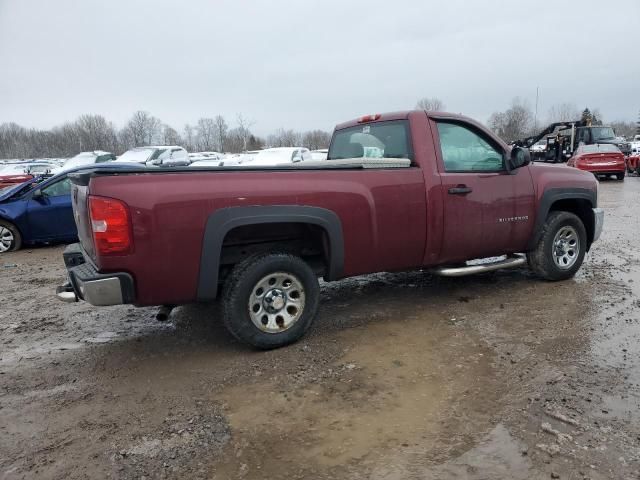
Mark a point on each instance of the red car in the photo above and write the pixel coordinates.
(398, 191)
(599, 159)
(15, 173)
(633, 160)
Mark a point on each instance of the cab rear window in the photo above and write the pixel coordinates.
(372, 140)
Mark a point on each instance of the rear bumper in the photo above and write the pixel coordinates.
(86, 283)
(605, 169)
(598, 217)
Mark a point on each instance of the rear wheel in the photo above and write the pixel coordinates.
(10, 238)
(620, 176)
(561, 248)
(270, 300)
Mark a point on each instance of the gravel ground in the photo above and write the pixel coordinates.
(402, 376)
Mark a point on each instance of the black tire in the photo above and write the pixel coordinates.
(17, 238)
(620, 176)
(541, 258)
(239, 291)
(638, 169)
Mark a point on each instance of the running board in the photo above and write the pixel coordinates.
(509, 262)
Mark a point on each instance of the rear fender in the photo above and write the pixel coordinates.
(221, 222)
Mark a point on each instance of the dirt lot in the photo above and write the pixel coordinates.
(402, 376)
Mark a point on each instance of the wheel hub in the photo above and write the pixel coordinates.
(566, 247)
(6, 239)
(274, 300)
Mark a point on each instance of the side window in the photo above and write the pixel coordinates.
(465, 151)
(63, 187)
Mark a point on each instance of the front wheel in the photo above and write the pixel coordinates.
(620, 176)
(10, 238)
(270, 300)
(561, 248)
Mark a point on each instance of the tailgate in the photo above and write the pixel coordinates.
(80, 204)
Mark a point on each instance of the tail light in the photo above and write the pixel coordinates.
(111, 226)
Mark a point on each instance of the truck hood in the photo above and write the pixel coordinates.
(624, 147)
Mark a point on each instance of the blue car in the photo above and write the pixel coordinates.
(39, 211)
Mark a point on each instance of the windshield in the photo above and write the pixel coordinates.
(383, 139)
(136, 155)
(12, 169)
(36, 169)
(84, 158)
(601, 148)
(602, 133)
(157, 153)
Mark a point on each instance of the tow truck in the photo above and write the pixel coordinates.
(563, 139)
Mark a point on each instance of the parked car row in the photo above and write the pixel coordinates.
(39, 209)
(16, 173)
(35, 198)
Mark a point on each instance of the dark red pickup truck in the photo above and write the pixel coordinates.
(398, 191)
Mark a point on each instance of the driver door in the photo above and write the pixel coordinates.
(50, 216)
(488, 211)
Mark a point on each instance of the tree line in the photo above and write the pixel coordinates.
(94, 132)
(518, 121)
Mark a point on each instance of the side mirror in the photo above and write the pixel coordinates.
(37, 194)
(519, 157)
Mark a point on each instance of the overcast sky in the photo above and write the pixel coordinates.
(310, 64)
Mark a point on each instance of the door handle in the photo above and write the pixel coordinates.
(460, 190)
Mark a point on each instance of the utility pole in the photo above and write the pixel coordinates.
(535, 118)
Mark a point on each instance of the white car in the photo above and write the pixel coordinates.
(163, 155)
(207, 163)
(279, 156)
(197, 156)
(539, 147)
(85, 158)
(320, 154)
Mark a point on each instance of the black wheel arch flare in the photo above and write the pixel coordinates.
(222, 221)
(553, 195)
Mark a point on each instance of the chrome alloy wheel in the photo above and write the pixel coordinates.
(6, 239)
(566, 247)
(276, 302)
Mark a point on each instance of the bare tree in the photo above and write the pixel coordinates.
(514, 123)
(170, 136)
(625, 129)
(189, 138)
(285, 138)
(244, 129)
(206, 128)
(563, 112)
(142, 129)
(430, 104)
(316, 139)
(234, 141)
(221, 132)
(95, 133)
